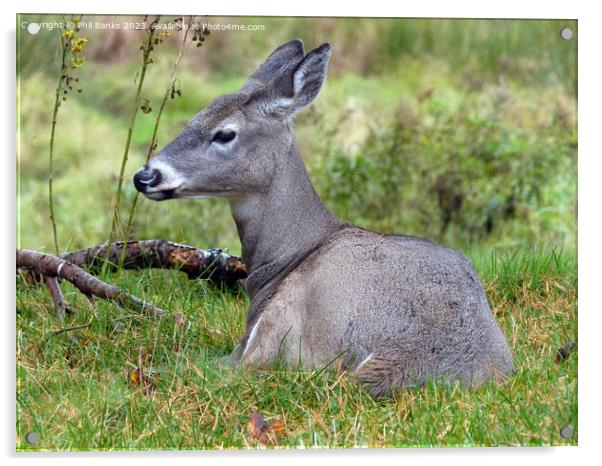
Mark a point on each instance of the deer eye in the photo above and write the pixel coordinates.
(223, 137)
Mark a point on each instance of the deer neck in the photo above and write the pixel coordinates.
(281, 226)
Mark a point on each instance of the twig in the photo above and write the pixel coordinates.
(49, 265)
(69, 329)
(60, 305)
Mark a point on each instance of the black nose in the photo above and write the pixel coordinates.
(146, 177)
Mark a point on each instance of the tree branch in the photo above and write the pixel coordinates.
(52, 266)
(60, 306)
(212, 264)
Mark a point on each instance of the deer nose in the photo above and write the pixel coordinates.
(146, 178)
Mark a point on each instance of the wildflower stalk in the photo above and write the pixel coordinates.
(71, 46)
(57, 103)
(147, 49)
(153, 142)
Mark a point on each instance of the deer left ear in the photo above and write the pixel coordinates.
(309, 75)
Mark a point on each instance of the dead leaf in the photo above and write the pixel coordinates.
(564, 351)
(262, 432)
(255, 425)
(137, 379)
(276, 427)
(180, 320)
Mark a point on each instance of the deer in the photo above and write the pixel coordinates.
(394, 311)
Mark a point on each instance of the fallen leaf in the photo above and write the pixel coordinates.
(180, 320)
(137, 379)
(262, 432)
(565, 350)
(256, 425)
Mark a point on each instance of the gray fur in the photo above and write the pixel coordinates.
(394, 310)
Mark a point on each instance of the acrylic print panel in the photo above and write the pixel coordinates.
(294, 305)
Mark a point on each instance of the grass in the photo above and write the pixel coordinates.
(73, 387)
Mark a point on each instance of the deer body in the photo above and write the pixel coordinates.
(394, 310)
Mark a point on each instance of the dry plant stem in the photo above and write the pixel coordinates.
(49, 265)
(153, 140)
(58, 299)
(145, 62)
(57, 103)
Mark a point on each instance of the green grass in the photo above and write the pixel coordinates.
(73, 388)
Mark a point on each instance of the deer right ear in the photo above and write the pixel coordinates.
(290, 79)
(309, 76)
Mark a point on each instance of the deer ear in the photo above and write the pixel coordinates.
(279, 64)
(309, 76)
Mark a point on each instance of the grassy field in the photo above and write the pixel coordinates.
(463, 132)
(74, 387)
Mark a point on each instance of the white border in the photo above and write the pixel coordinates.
(590, 25)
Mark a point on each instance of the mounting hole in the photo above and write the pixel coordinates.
(32, 437)
(33, 28)
(566, 33)
(566, 432)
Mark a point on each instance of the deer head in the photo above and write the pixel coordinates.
(235, 145)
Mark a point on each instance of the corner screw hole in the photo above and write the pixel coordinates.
(566, 432)
(566, 33)
(32, 437)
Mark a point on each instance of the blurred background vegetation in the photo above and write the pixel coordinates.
(461, 131)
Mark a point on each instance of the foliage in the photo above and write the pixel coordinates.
(461, 174)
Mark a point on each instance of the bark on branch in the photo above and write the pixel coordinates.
(52, 266)
(212, 264)
(60, 305)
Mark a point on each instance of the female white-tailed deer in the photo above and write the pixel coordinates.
(397, 310)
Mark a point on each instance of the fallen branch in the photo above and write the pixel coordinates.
(58, 299)
(211, 264)
(48, 265)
